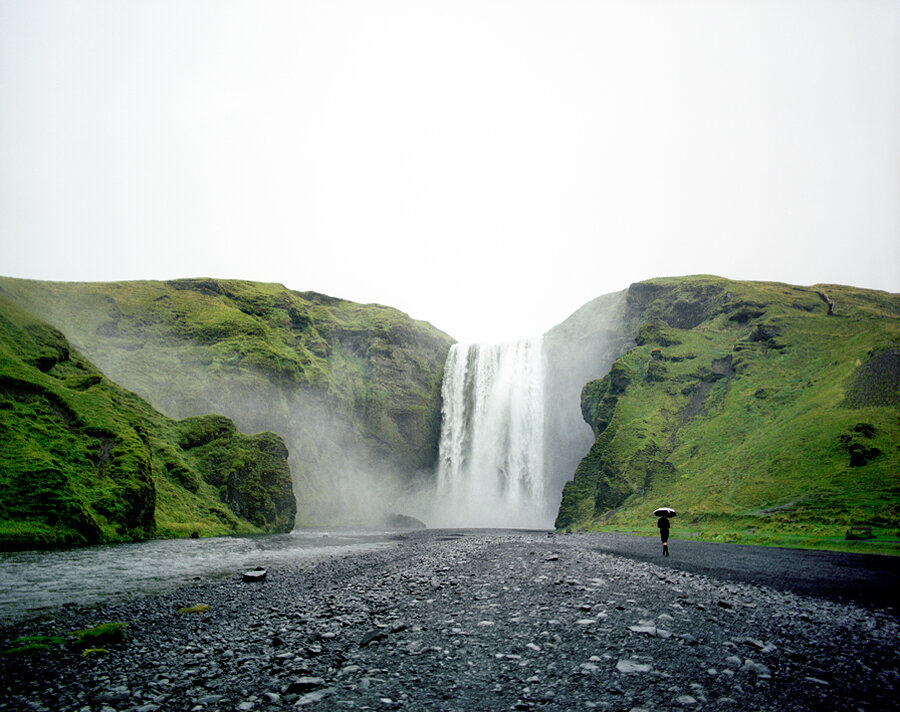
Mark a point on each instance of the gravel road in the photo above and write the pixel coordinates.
(492, 620)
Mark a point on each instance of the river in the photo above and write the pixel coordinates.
(33, 583)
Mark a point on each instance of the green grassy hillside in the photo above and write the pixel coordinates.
(751, 410)
(353, 389)
(85, 461)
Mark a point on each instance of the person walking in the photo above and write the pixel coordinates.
(663, 524)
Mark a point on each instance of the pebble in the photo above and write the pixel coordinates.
(630, 666)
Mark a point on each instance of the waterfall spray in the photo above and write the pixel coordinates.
(491, 470)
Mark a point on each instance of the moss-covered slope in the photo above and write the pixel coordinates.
(755, 409)
(354, 389)
(84, 461)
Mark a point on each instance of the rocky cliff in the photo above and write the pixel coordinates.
(353, 389)
(84, 461)
(753, 408)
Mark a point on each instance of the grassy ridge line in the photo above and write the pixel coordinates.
(749, 409)
(85, 461)
(352, 388)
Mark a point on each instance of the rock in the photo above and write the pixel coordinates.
(751, 666)
(402, 521)
(258, 574)
(311, 697)
(209, 699)
(115, 696)
(371, 637)
(646, 629)
(300, 685)
(816, 681)
(686, 700)
(630, 666)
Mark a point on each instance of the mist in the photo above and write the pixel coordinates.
(340, 479)
(580, 349)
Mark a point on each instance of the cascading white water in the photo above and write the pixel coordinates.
(490, 470)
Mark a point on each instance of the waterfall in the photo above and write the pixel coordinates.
(491, 470)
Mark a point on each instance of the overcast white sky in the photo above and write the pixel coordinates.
(487, 166)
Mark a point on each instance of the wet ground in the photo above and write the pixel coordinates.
(869, 580)
(492, 620)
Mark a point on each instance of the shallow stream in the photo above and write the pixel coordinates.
(36, 582)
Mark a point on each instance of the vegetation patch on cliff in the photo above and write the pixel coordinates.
(759, 411)
(353, 389)
(85, 461)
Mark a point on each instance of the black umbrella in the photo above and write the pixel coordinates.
(664, 512)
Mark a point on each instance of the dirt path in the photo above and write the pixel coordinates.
(471, 620)
(869, 580)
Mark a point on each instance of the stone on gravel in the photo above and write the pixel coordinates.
(302, 684)
(630, 666)
(313, 697)
(751, 666)
(816, 680)
(371, 637)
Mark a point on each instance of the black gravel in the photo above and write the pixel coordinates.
(869, 580)
(483, 620)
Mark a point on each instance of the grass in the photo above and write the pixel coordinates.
(740, 417)
(84, 641)
(86, 461)
(199, 608)
(886, 541)
(312, 368)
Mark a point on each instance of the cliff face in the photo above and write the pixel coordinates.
(747, 406)
(85, 461)
(353, 389)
